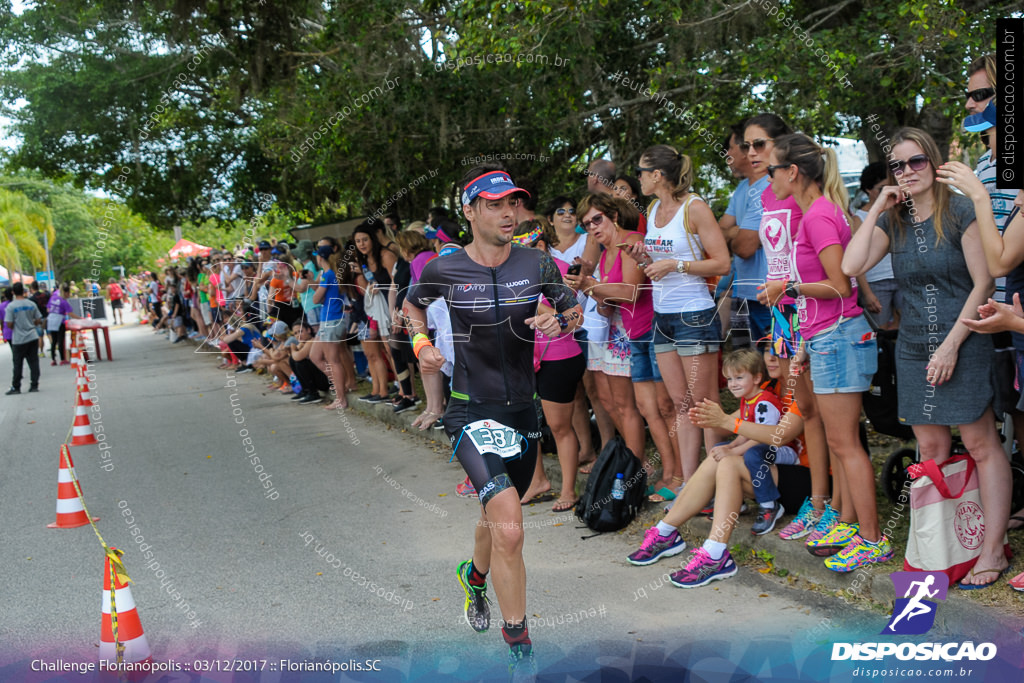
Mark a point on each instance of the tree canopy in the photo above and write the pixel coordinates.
(343, 108)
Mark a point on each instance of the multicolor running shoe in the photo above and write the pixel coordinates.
(826, 523)
(656, 546)
(835, 540)
(478, 610)
(807, 517)
(465, 489)
(702, 570)
(860, 553)
(522, 668)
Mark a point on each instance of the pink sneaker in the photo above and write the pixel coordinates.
(465, 489)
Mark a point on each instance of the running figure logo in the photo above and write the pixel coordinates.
(914, 613)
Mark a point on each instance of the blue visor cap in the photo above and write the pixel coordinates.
(982, 121)
(493, 185)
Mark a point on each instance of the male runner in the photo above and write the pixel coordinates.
(492, 291)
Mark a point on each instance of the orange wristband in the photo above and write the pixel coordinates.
(419, 342)
(736, 426)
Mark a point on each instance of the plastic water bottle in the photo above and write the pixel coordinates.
(368, 274)
(619, 487)
(618, 495)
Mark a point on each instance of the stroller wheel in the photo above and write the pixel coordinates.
(894, 473)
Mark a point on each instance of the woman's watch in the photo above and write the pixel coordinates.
(793, 289)
(682, 267)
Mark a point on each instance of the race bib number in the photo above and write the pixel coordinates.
(493, 437)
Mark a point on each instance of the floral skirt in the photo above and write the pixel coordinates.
(611, 357)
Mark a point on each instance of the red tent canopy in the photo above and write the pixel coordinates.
(185, 248)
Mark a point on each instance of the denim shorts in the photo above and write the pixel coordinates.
(844, 358)
(334, 330)
(691, 333)
(643, 361)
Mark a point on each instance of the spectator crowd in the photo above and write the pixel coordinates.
(779, 300)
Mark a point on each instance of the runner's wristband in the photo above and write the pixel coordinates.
(736, 426)
(419, 342)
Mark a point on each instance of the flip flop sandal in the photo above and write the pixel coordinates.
(587, 467)
(542, 498)
(560, 506)
(662, 495)
(978, 586)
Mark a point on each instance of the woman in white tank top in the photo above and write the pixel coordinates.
(683, 247)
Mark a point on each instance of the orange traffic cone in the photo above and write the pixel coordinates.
(130, 635)
(82, 388)
(81, 431)
(70, 511)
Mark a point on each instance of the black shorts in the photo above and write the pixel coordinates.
(489, 472)
(240, 349)
(116, 304)
(557, 379)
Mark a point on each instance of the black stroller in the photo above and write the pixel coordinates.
(881, 408)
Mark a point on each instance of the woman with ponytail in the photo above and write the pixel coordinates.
(943, 371)
(682, 248)
(776, 231)
(836, 337)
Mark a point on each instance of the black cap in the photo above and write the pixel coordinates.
(263, 245)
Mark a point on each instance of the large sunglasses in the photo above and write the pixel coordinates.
(637, 170)
(775, 167)
(916, 163)
(596, 221)
(562, 212)
(757, 144)
(981, 94)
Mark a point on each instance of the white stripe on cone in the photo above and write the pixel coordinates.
(67, 506)
(122, 598)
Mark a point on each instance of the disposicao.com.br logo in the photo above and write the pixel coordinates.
(914, 614)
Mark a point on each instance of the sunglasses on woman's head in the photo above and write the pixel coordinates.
(757, 144)
(981, 94)
(594, 222)
(562, 212)
(916, 163)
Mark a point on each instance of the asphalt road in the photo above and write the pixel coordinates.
(275, 573)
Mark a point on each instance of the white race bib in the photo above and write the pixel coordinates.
(490, 436)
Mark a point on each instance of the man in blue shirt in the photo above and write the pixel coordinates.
(740, 226)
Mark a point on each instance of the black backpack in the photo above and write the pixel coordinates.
(597, 509)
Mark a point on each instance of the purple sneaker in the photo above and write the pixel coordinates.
(656, 546)
(702, 570)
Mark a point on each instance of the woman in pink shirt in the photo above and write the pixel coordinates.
(837, 338)
(558, 363)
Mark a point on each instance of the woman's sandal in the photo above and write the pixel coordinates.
(563, 506)
(662, 495)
